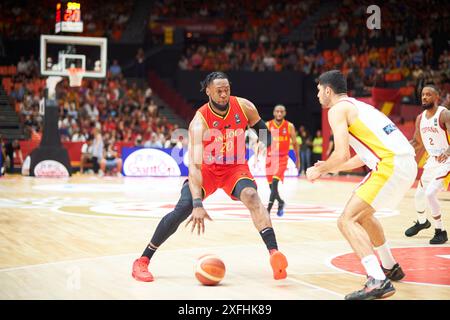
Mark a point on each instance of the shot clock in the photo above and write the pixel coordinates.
(68, 17)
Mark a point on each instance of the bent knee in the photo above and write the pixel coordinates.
(431, 193)
(341, 221)
(249, 195)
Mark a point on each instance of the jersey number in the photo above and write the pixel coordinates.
(227, 146)
(431, 142)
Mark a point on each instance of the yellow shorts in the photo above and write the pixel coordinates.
(387, 184)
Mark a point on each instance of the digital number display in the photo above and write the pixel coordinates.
(68, 17)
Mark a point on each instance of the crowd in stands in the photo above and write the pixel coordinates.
(241, 21)
(402, 50)
(400, 20)
(118, 111)
(29, 19)
(365, 66)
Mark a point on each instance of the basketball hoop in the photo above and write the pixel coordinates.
(75, 76)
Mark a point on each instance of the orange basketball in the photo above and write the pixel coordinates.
(209, 270)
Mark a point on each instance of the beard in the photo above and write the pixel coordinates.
(427, 106)
(220, 107)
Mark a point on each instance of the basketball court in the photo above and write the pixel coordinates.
(76, 238)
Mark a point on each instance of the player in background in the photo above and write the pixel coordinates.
(217, 160)
(381, 146)
(432, 133)
(283, 134)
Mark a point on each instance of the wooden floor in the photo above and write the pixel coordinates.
(77, 239)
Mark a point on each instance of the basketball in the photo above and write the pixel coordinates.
(209, 270)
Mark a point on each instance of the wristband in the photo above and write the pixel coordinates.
(197, 203)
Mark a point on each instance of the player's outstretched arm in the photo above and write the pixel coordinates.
(195, 153)
(445, 123)
(341, 154)
(197, 129)
(416, 141)
(295, 145)
(350, 164)
(255, 122)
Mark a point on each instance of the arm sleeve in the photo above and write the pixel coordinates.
(265, 136)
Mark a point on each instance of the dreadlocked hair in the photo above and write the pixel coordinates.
(211, 77)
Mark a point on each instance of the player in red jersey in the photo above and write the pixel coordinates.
(283, 132)
(217, 160)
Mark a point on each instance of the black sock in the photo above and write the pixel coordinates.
(268, 236)
(149, 251)
(275, 190)
(271, 198)
(170, 222)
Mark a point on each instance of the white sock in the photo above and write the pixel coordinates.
(373, 268)
(438, 224)
(421, 217)
(385, 254)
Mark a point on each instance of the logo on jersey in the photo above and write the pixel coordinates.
(237, 118)
(215, 123)
(284, 131)
(435, 122)
(389, 128)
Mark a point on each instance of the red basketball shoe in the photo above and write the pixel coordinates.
(140, 270)
(279, 264)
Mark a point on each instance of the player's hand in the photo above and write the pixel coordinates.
(318, 163)
(198, 220)
(313, 173)
(442, 157)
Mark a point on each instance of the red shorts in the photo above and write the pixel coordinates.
(225, 177)
(275, 167)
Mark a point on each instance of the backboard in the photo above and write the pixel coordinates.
(58, 53)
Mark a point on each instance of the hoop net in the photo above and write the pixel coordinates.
(75, 76)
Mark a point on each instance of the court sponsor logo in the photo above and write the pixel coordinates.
(150, 162)
(50, 168)
(423, 265)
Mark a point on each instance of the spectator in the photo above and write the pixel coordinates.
(97, 150)
(86, 154)
(22, 67)
(305, 150)
(11, 148)
(317, 147)
(32, 67)
(152, 109)
(36, 135)
(138, 142)
(330, 148)
(153, 142)
(140, 63)
(111, 161)
(115, 69)
(77, 136)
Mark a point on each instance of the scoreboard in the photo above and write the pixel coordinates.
(68, 17)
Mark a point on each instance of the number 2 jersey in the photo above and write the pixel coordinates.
(434, 137)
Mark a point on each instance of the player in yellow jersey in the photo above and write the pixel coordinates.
(380, 145)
